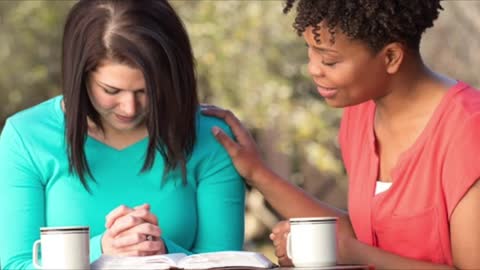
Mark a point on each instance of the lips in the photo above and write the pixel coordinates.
(326, 92)
(125, 119)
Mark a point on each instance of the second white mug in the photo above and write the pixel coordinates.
(312, 242)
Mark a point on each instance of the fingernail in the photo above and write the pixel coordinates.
(215, 131)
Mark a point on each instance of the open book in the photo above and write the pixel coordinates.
(221, 259)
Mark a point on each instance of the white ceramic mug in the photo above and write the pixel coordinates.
(63, 248)
(312, 241)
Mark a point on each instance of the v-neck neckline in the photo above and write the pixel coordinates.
(422, 137)
(119, 150)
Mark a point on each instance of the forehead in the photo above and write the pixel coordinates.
(119, 75)
(107, 66)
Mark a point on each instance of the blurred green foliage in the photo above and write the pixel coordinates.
(30, 33)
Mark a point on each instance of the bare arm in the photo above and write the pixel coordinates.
(286, 198)
(291, 201)
(465, 230)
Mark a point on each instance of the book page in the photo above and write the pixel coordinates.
(165, 261)
(225, 259)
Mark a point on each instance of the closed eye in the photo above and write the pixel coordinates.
(113, 90)
(140, 92)
(329, 64)
(110, 91)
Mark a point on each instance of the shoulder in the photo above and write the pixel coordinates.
(461, 113)
(464, 101)
(40, 123)
(206, 145)
(39, 114)
(205, 125)
(460, 161)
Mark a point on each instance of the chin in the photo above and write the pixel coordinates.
(125, 128)
(342, 103)
(336, 103)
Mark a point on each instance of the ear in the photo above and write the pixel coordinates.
(393, 54)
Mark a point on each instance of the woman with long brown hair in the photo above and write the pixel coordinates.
(124, 150)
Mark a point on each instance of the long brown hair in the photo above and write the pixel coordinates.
(150, 36)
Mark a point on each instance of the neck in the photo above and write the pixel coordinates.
(115, 138)
(413, 91)
(112, 137)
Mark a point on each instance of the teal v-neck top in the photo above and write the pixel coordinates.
(37, 190)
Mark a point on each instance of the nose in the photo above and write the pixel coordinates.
(314, 64)
(128, 104)
(315, 69)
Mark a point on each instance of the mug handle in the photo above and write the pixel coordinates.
(35, 254)
(289, 246)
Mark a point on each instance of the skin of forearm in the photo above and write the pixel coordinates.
(291, 201)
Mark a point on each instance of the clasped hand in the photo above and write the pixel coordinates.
(132, 232)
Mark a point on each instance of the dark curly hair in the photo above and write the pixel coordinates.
(376, 22)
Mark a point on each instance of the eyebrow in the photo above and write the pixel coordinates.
(321, 49)
(325, 49)
(104, 85)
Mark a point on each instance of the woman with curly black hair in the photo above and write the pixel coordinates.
(408, 137)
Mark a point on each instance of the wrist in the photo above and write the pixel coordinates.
(261, 176)
(102, 243)
(344, 249)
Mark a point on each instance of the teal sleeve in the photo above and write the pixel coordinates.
(22, 202)
(220, 204)
(95, 247)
